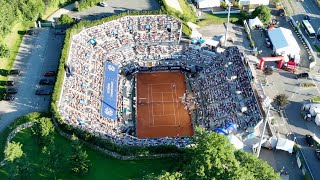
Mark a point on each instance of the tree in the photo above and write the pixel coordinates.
(79, 158)
(263, 13)
(4, 51)
(20, 169)
(76, 6)
(43, 129)
(281, 100)
(258, 168)
(13, 151)
(213, 157)
(52, 159)
(65, 19)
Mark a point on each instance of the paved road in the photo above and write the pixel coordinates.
(116, 7)
(37, 54)
(298, 10)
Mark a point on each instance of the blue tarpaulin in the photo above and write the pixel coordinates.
(220, 131)
(110, 88)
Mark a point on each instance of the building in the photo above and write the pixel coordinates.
(202, 4)
(284, 43)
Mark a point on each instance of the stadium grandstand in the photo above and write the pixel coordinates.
(136, 83)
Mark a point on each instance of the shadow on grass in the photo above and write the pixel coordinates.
(22, 32)
(4, 72)
(2, 90)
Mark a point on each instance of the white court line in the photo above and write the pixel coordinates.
(162, 103)
(152, 107)
(173, 99)
(165, 115)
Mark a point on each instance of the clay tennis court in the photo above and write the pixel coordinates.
(160, 112)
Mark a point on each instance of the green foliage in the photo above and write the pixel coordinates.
(21, 120)
(223, 4)
(65, 19)
(13, 151)
(258, 168)
(4, 51)
(281, 100)
(218, 19)
(263, 12)
(235, 4)
(243, 15)
(315, 99)
(307, 85)
(20, 169)
(84, 4)
(43, 129)
(213, 157)
(79, 158)
(52, 159)
(76, 6)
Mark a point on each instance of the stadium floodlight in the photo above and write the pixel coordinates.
(267, 103)
(227, 28)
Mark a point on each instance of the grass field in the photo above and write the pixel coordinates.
(103, 167)
(217, 19)
(13, 41)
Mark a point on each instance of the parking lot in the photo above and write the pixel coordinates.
(115, 7)
(37, 54)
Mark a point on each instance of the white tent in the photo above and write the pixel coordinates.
(235, 141)
(211, 42)
(254, 2)
(255, 22)
(283, 41)
(208, 3)
(285, 144)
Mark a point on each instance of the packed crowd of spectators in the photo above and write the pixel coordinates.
(140, 40)
(226, 92)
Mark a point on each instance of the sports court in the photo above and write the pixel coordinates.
(160, 112)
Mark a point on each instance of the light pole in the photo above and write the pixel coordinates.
(264, 129)
(227, 28)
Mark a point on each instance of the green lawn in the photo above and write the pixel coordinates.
(315, 99)
(217, 19)
(13, 41)
(103, 167)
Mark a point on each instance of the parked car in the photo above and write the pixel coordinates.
(11, 90)
(310, 140)
(306, 17)
(50, 73)
(103, 4)
(43, 92)
(46, 82)
(76, 19)
(16, 72)
(9, 83)
(302, 76)
(318, 153)
(8, 97)
(281, 12)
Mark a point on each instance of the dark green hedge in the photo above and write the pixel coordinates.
(103, 143)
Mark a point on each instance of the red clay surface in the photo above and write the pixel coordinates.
(160, 112)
